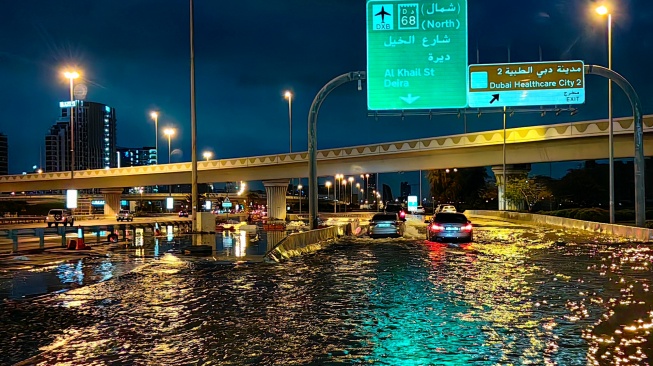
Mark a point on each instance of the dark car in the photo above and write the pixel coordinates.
(183, 213)
(386, 225)
(450, 226)
(396, 208)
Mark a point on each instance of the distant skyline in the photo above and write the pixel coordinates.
(134, 56)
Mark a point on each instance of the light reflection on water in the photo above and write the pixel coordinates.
(400, 302)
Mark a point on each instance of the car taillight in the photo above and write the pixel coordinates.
(467, 227)
(436, 227)
(402, 214)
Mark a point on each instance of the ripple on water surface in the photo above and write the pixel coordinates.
(513, 298)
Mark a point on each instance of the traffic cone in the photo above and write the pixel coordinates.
(80, 244)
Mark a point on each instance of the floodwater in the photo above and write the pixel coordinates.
(518, 295)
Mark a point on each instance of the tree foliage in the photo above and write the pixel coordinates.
(524, 190)
(460, 186)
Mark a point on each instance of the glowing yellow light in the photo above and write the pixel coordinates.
(602, 10)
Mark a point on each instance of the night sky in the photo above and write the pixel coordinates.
(134, 56)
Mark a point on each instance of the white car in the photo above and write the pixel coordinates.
(58, 216)
(445, 208)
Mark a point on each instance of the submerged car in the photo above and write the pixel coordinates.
(384, 225)
(450, 226)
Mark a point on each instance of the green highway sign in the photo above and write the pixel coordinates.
(527, 84)
(416, 54)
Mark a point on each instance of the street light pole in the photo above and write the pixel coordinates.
(71, 76)
(193, 120)
(603, 10)
(155, 116)
(328, 185)
(299, 189)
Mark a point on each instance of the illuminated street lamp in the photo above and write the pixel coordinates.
(207, 155)
(288, 95)
(155, 117)
(72, 75)
(367, 184)
(299, 188)
(344, 194)
(358, 185)
(351, 189)
(603, 10)
(328, 185)
(378, 198)
(169, 132)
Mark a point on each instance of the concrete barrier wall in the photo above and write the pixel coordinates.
(622, 231)
(306, 242)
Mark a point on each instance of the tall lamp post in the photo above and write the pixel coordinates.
(72, 75)
(344, 194)
(358, 185)
(328, 185)
(155, 117)
(351, 189)
(603, 10)
(299, 189)
(288, 95)
(169, 132)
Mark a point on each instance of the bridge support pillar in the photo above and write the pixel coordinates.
(111, 200)
(512, 170)
(276, 191)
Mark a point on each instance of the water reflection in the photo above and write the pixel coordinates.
(521, 301)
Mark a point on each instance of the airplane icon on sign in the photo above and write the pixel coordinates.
(382, 13)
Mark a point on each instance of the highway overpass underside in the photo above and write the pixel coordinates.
(555, 150)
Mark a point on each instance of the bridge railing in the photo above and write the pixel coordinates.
(21, 240)
(21, 219)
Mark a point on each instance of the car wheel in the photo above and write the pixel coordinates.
(56, 224)
(132, 219)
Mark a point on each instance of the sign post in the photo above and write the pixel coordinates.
(416, 55)
(526, 84)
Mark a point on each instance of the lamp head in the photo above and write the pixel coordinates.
(71, 74)
(602, 10)
(154, 115)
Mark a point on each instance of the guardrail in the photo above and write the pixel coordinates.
(17, 240)
(629, 232)
(308, 241)
(21, 219)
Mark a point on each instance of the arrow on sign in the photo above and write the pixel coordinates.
(495, 97)
(409, 99)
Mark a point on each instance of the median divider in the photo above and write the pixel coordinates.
(307, 242)
(622, 231)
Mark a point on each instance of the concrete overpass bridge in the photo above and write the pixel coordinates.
(536, 144)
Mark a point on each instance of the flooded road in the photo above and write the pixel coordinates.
(518, 295)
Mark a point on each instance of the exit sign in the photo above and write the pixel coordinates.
(416, 54)
(527, 84)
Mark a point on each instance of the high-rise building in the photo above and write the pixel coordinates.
(139, 156)
(4, 155)
(405, 190)
(95, 138)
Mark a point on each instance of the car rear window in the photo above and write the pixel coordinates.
(451, 217)
(393, 208)
(384, 217)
